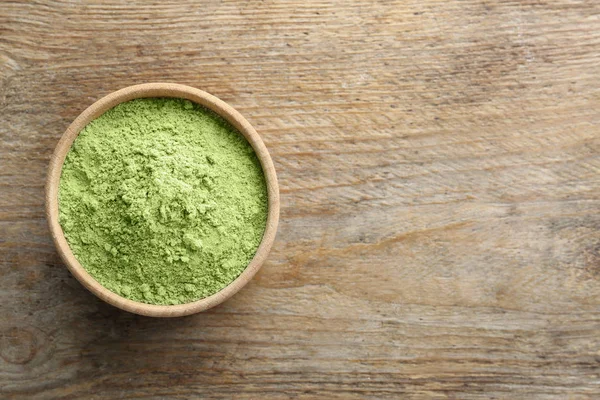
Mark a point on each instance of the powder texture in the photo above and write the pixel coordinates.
(162, 201)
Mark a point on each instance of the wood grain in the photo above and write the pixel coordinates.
(439, 170)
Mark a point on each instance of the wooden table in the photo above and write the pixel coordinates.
(439, 168)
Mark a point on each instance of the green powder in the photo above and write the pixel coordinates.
(162, 201)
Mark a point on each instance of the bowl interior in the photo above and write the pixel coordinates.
(161, 90)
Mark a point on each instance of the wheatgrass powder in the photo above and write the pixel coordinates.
(162, 201)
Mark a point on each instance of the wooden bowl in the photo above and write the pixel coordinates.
(160, 90)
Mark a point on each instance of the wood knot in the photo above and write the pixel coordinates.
(18, 345)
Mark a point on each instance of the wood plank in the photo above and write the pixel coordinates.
(439, 169)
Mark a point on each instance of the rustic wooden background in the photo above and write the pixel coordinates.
(439, 168)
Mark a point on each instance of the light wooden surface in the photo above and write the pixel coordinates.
(439, 170)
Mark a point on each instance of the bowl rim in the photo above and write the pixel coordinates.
(173, 90)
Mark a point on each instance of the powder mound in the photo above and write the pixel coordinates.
(162, 201)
